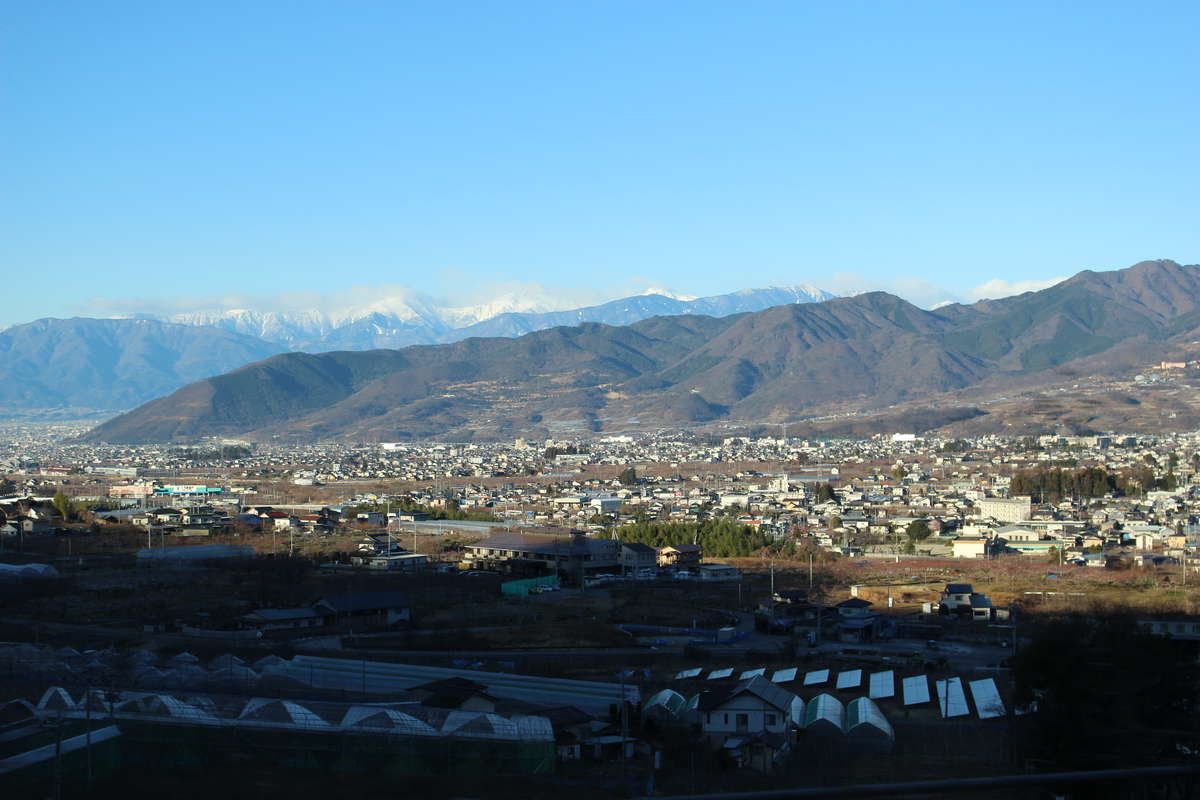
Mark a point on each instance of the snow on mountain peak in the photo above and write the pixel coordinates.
(394, 316)
(661, 292)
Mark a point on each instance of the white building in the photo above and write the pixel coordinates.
(752, 707)
(1015, 509)
(970, 547)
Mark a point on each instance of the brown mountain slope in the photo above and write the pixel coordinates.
(778, 364)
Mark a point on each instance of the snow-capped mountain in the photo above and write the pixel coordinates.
(117, 363)
(410, 318)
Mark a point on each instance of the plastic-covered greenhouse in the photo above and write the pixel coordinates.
(824, 715)
(399, 738)
(866, 726)
(667, 704)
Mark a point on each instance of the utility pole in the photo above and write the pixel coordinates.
(58, 730)
(624, 728)
(87, 713)
(820, 614)
(387, 525)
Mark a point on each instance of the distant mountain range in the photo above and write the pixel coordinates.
(771, 365)
(84, 365)
(111, 364)
(415, 319)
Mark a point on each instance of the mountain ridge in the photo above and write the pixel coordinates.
(420, 320)
(772, 365)
(77, 380)
(106, 364)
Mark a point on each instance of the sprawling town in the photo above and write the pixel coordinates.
(667, 614)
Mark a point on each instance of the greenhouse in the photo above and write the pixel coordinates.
(665, 705)
(867, 728)
(167, 731)
(824, 716)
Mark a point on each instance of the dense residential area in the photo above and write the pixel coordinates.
(624, 614)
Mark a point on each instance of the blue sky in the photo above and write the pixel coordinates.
(160, 155)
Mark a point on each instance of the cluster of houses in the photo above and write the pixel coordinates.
(582, 559)
(206, 520)
(886, 494)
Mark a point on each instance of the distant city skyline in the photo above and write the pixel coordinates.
(170, 159)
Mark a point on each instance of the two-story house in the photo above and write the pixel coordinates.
(636, 557)
(752, 721)
(956, 595)
(680, 555)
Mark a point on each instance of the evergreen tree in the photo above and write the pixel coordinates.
(62, 504)
(917, 531)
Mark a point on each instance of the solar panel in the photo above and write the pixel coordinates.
(718, 674)
(784, 675)
(987, 698)
(849, 679)
(816, 677)
(883, 684)
(687, 673)
(952, 700)
(751, 673)
(916, 690)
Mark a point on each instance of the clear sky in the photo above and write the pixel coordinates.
(169, 151)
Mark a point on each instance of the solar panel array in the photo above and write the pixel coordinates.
(952, 700)
(784, 675)
(850, 679)
(883, 685)
(816, 677)
(987, 698)
(914, 690)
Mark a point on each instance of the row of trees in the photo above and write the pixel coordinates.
(720, 538)
(1050, 485)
